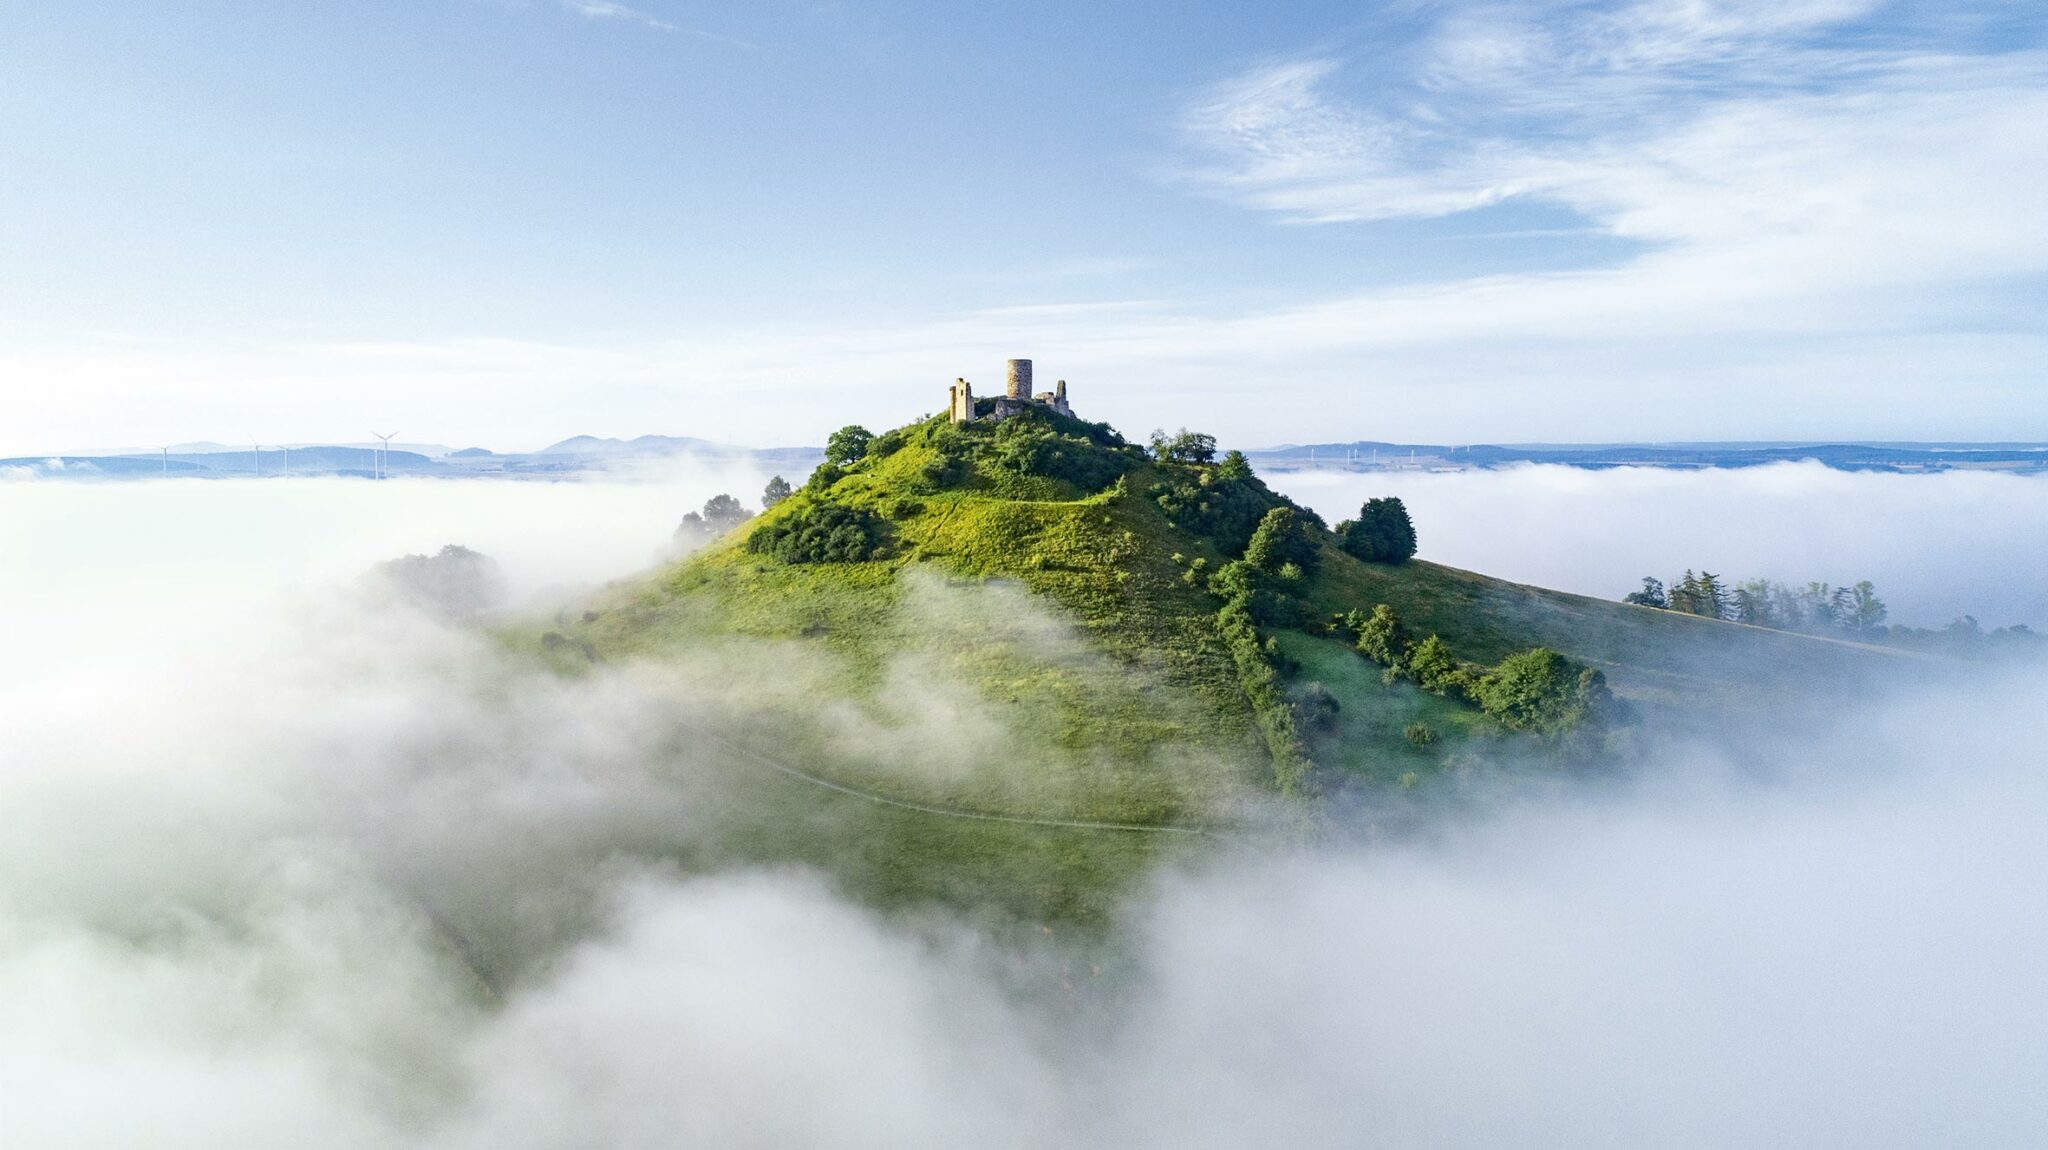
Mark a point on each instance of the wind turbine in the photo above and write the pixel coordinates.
(256, 457)
(287, 449)
(384, 454)
(167, 462)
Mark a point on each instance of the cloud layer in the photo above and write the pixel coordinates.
(246, 903)
(1937, 546)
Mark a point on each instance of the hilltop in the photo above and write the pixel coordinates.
(1034, 619)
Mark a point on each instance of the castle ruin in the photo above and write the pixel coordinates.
(1015, 400)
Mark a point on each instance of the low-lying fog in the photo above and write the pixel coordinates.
(1937, 546)
(235, 807)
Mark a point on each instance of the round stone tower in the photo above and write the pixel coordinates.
(1020, 379)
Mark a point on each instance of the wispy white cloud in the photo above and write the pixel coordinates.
(607, 10)
(1784, 180)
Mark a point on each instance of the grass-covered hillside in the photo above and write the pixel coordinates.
(1039, 582)
(1035, 620)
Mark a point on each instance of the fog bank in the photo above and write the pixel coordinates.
(1937, 546)
(250, 871)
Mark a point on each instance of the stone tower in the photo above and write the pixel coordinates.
(1020, 379)
(960, 401)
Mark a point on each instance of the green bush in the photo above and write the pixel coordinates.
(1543, 691)
(1434, 668)
(1029, 445)
(1382, 533)
(823, 478)
(820, 533)
(1382, 639)
(1261, 682)
(1225, 510)
(1282, 539)
(886, 444)
(1316, 710)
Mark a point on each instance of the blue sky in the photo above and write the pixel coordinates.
(506, 222)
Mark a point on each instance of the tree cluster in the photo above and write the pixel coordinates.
(721, 514)
(1033, 446)
(1815, 608)
(1184, 446)
(820, 533)
(1280, 555)
(1538, 690)
(1382, 533)
(1223, 501)
(454, 582)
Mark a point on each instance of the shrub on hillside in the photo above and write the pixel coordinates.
(1382, 639)
(1543, 691)
(1434, 668)
(820, 533)
(1227, 511)
(721, 514)
(1032, 447)
(1281, 539)
(454, 582)
(1382, 533)
(823, 478)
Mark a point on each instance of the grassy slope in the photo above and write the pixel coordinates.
(1028, 651)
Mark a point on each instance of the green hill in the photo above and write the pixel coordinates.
(1015, 621)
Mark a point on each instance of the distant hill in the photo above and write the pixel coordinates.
(640, 445)
(1904, 457)
(223, 464)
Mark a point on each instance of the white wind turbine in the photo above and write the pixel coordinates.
(383, 453)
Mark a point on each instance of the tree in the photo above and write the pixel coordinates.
(1382, 639)
(1316, 709)
(848, 445)
(1817, 606)
(1541, 690)
(777, 490)
(1382, 533)
(1713, 598)
(1184, 447)
(823, 477)
(1652, 594)
(1434, 668)
(1281, 538)
(454, 582)
(722, 512)
(1234, 466)
(1866, 612)
(1696, 595)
